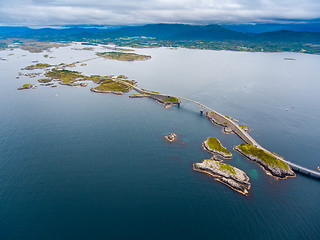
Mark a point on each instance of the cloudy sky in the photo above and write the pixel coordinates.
(136, 12)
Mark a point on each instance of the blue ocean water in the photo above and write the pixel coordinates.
(81, 165)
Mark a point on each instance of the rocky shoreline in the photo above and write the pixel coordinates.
(235, 178)
(27, 86)
(100, 91)
(160, 101)
(222, 154)
(279, 173)
(138, 96)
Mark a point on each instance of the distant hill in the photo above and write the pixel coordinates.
(178, 35)
(160, 32)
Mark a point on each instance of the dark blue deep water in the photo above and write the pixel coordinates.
(81, 165)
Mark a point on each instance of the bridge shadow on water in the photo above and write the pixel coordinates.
(307, 175)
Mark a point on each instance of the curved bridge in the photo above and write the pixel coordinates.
(249, 140)
(223, 120)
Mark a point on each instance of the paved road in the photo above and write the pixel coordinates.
(294, 166)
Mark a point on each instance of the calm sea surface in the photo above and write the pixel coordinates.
(81, 165)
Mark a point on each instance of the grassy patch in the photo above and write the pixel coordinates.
(243, 127)
(121, 56)
(38, 66)
(228, 168)
(66, 76)
(36, 47)
(214, 144)
(26, 85)
(44, 80)
(110, 85)
(123, 77)
(171, 99)
(149, 91)
(264, 156)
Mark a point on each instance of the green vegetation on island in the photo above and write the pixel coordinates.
(26, 86)
(226, 174)
(74, 78)
(108, 85)
(122, 77)
(38, 66)
(44, 80)
(244, 127)
(149, 91)
(264, 156)
(215, 145)
(171, 100)
(67, 77)
(121, 56)
(37, 47)
(227, 167)
(87, 48)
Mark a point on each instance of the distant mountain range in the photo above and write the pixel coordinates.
(169, 34)
(159, 32)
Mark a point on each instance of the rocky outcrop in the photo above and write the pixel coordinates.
(138, 96)
(226, 174)
(27, 86)
(83, 84)
(214, 151)
(100, 91)
(274, 171)
(171, 137)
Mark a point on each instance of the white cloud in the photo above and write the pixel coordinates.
(131, 12)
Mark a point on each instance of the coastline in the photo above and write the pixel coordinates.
(221, 154)
(245, 185)
(284, 174)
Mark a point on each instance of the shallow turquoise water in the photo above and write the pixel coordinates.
(80, 165)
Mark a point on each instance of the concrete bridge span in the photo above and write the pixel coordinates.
(228, 122)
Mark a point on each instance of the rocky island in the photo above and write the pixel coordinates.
(122, 56)
(37, 47)
(171, 137)
(44, 80)
(38, 66)
(226, 174)
(109, 85)
(272, 165)
(27, 86)
(213, 145)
